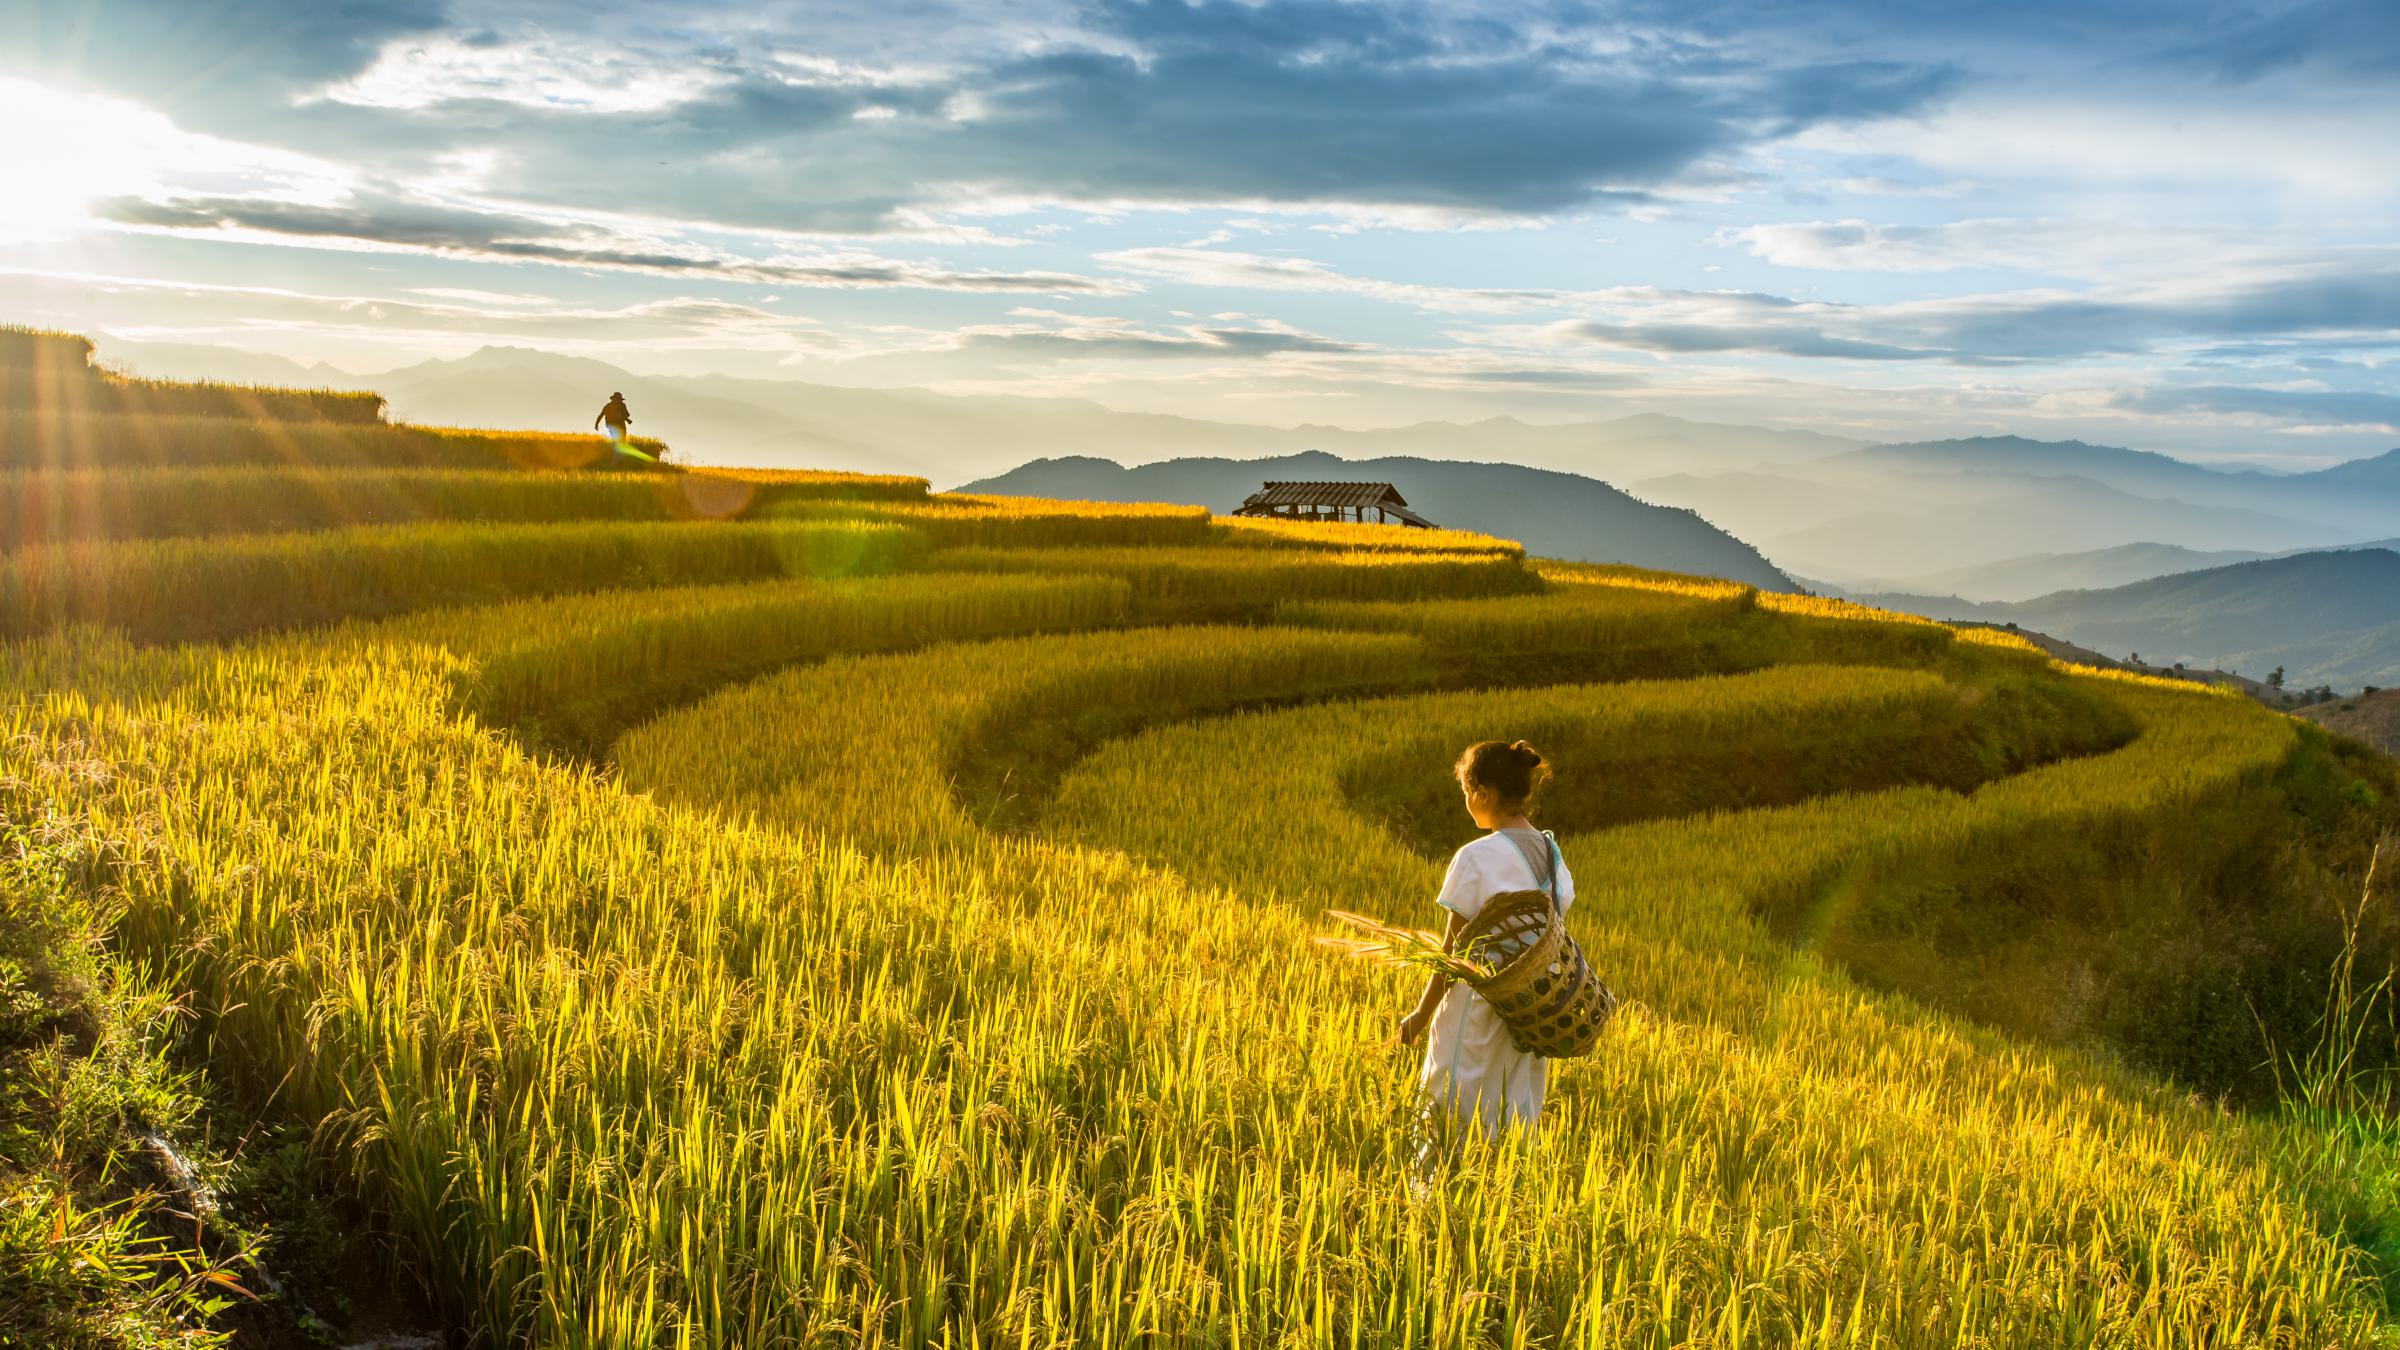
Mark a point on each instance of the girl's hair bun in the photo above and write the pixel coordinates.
(1511, 771)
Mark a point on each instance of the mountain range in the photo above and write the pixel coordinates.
(1555, 515)
(950, 438)
(2327, 617)
(1903, 516)
(2038, 574)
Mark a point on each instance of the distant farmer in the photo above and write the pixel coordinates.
(616, 414)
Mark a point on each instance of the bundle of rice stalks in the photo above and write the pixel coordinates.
(1415, 947)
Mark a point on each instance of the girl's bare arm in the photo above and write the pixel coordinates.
(1413, 1025)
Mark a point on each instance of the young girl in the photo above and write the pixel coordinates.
(1474, 1076)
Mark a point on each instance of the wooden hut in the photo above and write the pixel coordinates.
(1332, 501)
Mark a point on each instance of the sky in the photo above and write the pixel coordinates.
(2168, 225)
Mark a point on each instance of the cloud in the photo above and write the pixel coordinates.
(1763, 339)
(2051, 246)
(2086, 199)
(1876, 185)
(1258, 271)
(2119, 252)
(236, 60)
(2330, 298)
(2336, 300)
(807, 119)
(498, 236)
(2331, 304)
(150, 310)
(1555, 377)
(2128, 149)
(2325, 38)
(2309, 407)
(599, 77)
(1117, 340)
(2233, 40)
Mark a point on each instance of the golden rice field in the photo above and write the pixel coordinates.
(860, 916)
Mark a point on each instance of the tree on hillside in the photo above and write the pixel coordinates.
(2275, 679)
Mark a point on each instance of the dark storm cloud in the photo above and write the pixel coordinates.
(504, 237)
(2352, 408)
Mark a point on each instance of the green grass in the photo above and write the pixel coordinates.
(91, 1252)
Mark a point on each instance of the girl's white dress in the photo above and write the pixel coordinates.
(1470, 1065)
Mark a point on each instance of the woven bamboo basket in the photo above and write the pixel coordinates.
(1546, 994)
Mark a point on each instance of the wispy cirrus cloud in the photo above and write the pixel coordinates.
(395, 222)
(1055, 337)
(2320, 407)
(1269, 272)
(2335, 305)
(147, 309)
(2052, 247)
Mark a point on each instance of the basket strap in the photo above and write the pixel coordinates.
(1544, 865)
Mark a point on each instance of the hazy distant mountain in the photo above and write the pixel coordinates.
(2379, 476)
(2038, 574)
(2327, 617)
(1762, 503)
(789, 423)
(190, 361)
(2021, 516)
(2350, 499)
(2141, 472)
(1906, 515)
(1556, 515)
(2042, 573)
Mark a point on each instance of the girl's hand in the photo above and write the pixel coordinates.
(1412, 1027)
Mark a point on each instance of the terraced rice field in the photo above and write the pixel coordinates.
(857, 917)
